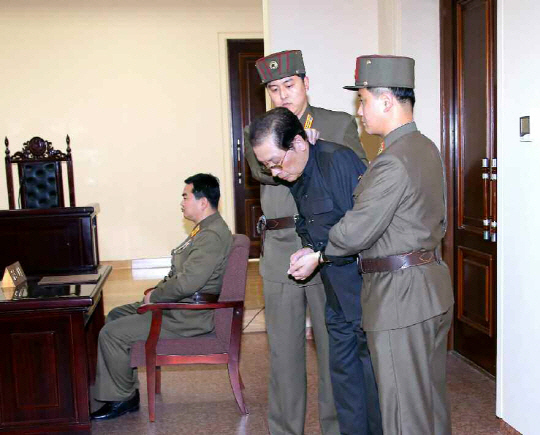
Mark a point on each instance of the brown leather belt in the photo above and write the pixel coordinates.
(397, 262)
(204, 298)
(264, 225)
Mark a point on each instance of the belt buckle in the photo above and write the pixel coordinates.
(296, 217)
(261, 224)
(426, 257)
(359, 262)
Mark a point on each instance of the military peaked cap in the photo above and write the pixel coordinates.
(280, 65)
(375, 71)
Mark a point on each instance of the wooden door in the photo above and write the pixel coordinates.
(469, 148)
(247, 101)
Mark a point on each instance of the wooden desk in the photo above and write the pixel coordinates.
(51, 240)
(48, 352)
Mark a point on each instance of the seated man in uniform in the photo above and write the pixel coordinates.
(197, 269)
(322, 181)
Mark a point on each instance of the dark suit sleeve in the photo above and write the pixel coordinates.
(254, 165)
(351, 139)
(383, 189)
(302, 232)
(195, 271)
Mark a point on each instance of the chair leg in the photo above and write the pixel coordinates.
(158, 380)
(151, 388)
(236, 384)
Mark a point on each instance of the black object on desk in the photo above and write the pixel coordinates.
(50, 241)
(33, 290)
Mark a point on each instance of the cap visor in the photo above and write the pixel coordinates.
(352, 88)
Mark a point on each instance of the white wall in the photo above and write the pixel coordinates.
(420, 40)
(518, 376)
(137, 85)
(331, 35)
(411, 29)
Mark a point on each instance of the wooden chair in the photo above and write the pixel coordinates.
(40, 174)
(219, 347)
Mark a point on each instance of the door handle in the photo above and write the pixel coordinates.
(493, 200)
(485, 198)
(238, 150)
(239, 159)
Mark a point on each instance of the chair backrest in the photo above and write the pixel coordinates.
(40, 174)
(234, 279)
(234, 285)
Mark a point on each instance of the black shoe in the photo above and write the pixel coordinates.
(116, 409)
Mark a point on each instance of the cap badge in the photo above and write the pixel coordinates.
(273, 64)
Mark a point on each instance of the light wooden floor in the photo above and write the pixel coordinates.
(126, 285)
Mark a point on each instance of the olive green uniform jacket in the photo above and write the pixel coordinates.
(197, 265)
(399, 207)
(277, 201)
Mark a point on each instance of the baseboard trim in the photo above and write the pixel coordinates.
(147, 263)
(151, 263)
(471, 364)
(118, 264)
(142, 263)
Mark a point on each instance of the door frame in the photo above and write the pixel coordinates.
(448, 119)
(227, 194)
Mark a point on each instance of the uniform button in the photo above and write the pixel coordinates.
(305, 196)
(311, 221)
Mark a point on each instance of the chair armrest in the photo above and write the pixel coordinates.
(148, 290)
(188, 306)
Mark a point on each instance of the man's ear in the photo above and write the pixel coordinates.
(306, 83)
(299, 143)
(204, 202)
(387, 101)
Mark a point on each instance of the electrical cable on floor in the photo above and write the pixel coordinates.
(249, 323)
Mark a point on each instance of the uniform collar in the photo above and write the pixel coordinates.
(399, 132)
(209, 219)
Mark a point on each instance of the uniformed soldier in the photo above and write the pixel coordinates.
(284, 76)
(397, 224)
(197, 269)
(322, 178)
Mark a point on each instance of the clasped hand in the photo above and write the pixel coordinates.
(312, 136)
(303, 263)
